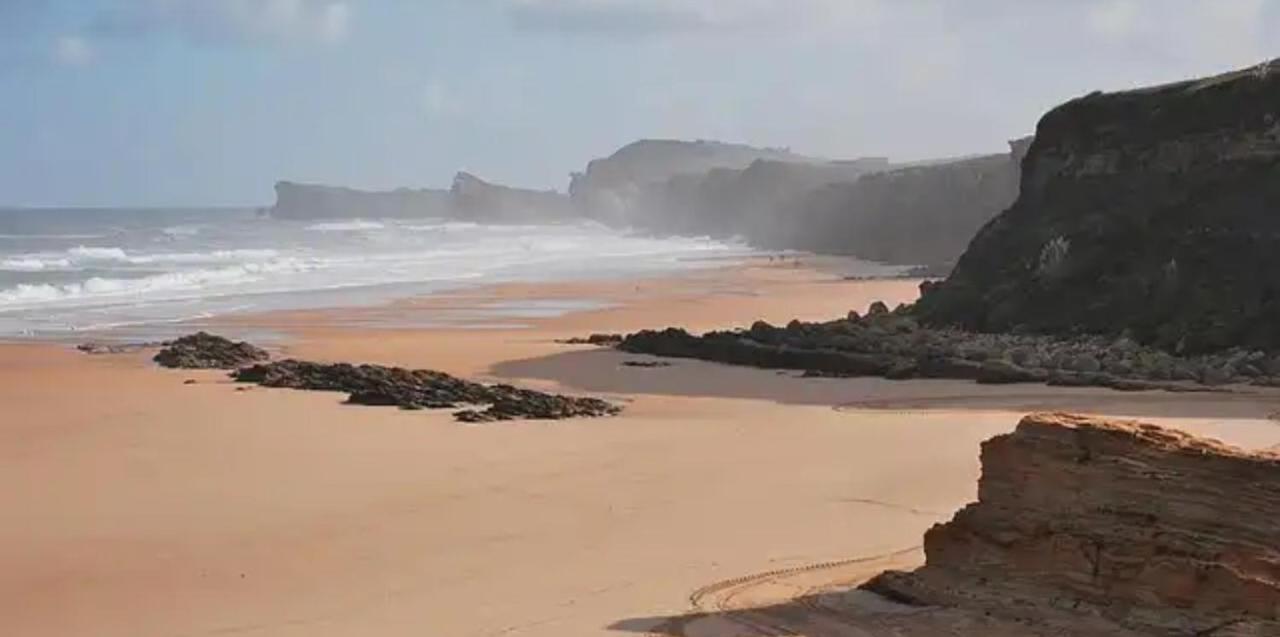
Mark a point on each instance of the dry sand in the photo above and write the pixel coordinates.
(136, 505)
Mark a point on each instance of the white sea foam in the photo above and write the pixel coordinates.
(354, 225)
(158, 272)
(104, 289)
(34, 264)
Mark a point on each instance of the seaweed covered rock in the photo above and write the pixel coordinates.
(203, 350)
(1093, 520)
(1154, 211)
(423, 389)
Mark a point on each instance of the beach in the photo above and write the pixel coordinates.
(136, 503)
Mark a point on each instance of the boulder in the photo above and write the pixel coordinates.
(207, 351)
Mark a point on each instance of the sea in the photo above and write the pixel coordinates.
(65, 273)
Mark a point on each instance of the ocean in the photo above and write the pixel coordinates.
(64, 273)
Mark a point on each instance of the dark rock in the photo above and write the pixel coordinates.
(207, 351)
(1150, 211)
(877, 308)
(602, 340)
(647, 364)
(422, 389)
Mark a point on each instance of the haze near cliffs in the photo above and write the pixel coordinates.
(908, 214)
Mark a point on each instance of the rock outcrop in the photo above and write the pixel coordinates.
(892, 344)
(423, 389)
(314, 201)
(610, 188)
(1154, 212)
(468, 199)
(203, 350)
(922, 214)
(1088, 522)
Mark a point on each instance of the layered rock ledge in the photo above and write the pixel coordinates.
(1089, 522)
(203, 350)
(892, 344)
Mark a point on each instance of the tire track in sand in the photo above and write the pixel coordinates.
(720, 599)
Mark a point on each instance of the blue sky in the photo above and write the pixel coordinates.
(165, 102)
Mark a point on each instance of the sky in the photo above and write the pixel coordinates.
(209, 102)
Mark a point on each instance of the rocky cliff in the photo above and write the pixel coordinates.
(1087, 522)
(314, 201)
(914, 215)
(1154, 212)
(609, 188)
(469, 199)
(917, 214)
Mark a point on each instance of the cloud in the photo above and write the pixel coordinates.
(325, 21)
(72, 50)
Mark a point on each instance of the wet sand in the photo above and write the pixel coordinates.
(137, 505)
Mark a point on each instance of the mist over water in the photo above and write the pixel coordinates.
(64, 272)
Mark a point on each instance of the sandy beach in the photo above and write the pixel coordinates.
(135, 504)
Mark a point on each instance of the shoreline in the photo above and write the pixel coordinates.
(175, 509)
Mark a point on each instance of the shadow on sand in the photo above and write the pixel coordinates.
(604, 371)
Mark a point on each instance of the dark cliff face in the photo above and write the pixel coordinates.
(1155, 212)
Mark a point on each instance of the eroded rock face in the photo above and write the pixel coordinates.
(423, 389)
(1155, 211)
(203, 350)
(1151, 529)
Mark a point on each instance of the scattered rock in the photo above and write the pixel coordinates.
(893, 346)
(602, 340)
(1082, 519)
(422, 389)
(645, 364)
(207, 351)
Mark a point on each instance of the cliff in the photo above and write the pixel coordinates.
(1082, 521)
(477, 200)
(918, 214)
(314, 201)
(922, 214)
(1154, 212)
(469, 199)
(610, 188)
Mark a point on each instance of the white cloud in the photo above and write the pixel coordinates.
(72, 50)
(326, 21)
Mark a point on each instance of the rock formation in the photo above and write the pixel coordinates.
(203, 350)
(1151, 212)
(423, 389)
(1094, 524)
(608, 190)
(919, 215)
(469, 199)
(474, 199)
(314, 201)
(892, 344)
